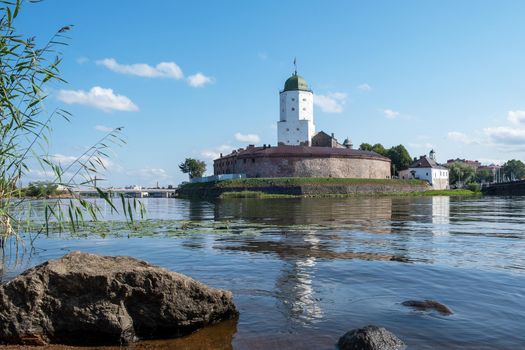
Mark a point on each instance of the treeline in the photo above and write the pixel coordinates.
(461, 173)
(41, 189)
(398, 155)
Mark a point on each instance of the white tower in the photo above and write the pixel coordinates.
(296, 125)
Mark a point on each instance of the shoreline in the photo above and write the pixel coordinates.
(311, 188)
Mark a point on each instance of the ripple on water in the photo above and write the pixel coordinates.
(305, 271)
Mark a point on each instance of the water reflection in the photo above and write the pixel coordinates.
(440, 215)
(295, 283)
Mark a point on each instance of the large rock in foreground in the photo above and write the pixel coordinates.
(91, 299)
(370, 338)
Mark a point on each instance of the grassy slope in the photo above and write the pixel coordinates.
(257, 194)
(299, 181)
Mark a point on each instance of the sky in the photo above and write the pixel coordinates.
(193, 79)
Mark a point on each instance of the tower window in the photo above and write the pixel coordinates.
(297, 129)
(253, 160)
(293, 99)
(304, 99)
(304, 109)
(287, 129)
(293, 109)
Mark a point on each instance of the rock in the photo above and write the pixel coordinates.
(426, 305)
(370, 338)
(99, 300)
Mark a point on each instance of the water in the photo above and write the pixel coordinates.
(305, 271)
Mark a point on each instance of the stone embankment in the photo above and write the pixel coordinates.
(87, 299)
(515, 188)
(303, 187)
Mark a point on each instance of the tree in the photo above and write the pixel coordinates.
(379, 149)
(514, 169)
(399, 157)
(460, 174)
(365, 147)
(41, 189)
(193, 167)
(484, 175)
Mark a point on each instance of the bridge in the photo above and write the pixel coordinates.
(513, 188)
(128, 192)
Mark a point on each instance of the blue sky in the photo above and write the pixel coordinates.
(447, 75)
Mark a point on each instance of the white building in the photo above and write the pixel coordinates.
(296, 125)
(426, 168)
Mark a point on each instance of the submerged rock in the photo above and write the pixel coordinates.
(90, 299)
(370, 338)
(426, 305)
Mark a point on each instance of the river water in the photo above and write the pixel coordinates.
(305, 271)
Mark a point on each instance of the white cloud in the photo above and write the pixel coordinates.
(161, 70)
(199, 80)
(63, 159)
(82, 60)
(364, 87)
(331, 102)
(103, 128)
(516, 117)
(215, 153)
(390, 114)
(426, 146)
(460, 137)
(98, 97)
(253, 138)
(149, 175)
(506, 135)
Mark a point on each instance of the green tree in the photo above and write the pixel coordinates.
(365, 147)
(484, 175)
(193, 167)
(41, 189)
(379, 149)
(514, 169)
(399, 157)
(460, 174)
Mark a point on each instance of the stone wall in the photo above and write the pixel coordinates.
(367, 168)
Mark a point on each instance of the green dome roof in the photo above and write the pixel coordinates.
(296, 82)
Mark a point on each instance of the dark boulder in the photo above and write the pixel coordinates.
(370, 338)
(90, 299)
(428, 305)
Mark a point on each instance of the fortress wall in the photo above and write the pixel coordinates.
(339, 167)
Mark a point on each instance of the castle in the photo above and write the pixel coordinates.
(300, 151)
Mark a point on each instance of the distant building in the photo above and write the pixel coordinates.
(322, 139)
(426, 168)
(494, 169)
(471, 163)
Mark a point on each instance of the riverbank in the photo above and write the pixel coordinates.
(429, 193)
(310, 187)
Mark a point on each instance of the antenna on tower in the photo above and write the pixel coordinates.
(295, 64)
